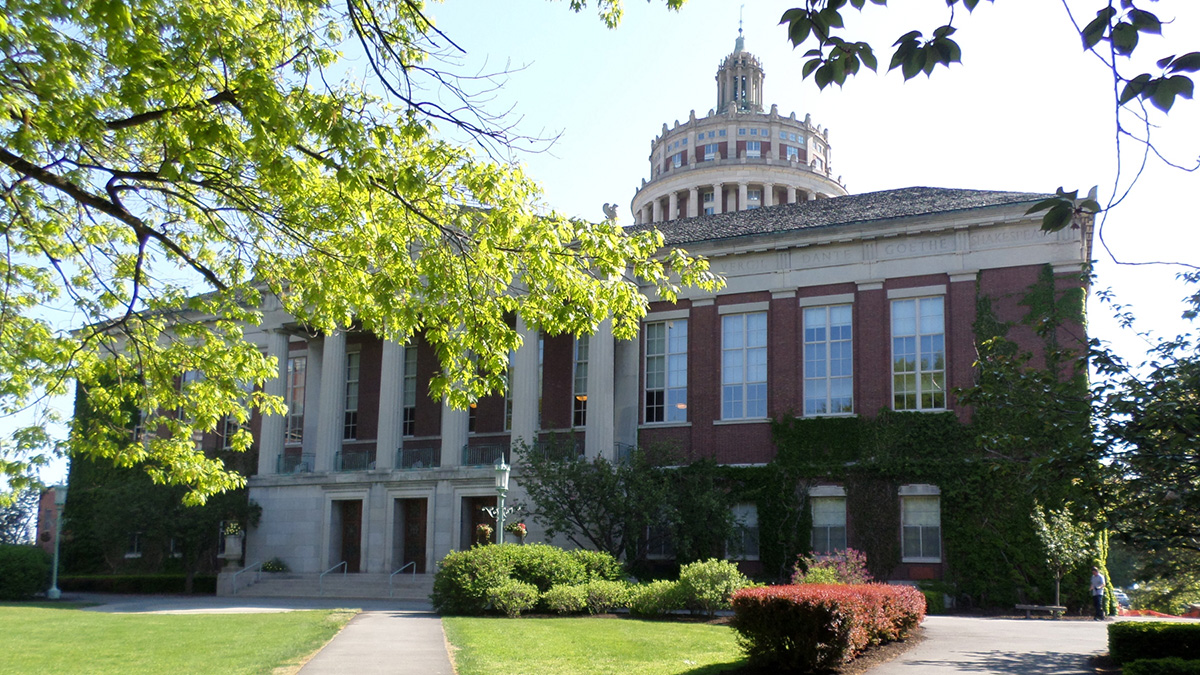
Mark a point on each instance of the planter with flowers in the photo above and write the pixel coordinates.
(483, 534)
(234, 534)
(517, 529)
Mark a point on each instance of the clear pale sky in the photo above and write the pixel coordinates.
(1026, 111)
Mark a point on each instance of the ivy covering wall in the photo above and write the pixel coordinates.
(1027, 441)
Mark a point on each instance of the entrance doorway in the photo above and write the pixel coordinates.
(345, 530)
(410, 516)
(473, 516)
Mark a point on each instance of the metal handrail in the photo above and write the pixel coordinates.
(321, 579)
(412, 564)
(238, 573)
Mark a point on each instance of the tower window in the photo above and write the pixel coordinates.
(710, 152)
(753, 148)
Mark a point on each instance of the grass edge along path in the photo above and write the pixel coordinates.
(40, 639)
(597, 646)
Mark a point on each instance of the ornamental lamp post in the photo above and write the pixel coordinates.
(501, 490)
(60, 501)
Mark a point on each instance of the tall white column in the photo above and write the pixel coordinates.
(270, 441)
(312, 397)
(454, 434)
(742, 197)
(718, 198)
(524, 387)
(812, 196)
(768, 195)
(391, 403)
(672, 206)
(625, 390)
(656, 205)
(791, 194)
(599, 427)
(693, 205)
(332, 412)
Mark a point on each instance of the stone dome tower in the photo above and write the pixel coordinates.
(737, 157)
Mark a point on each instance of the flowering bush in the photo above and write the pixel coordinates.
(274, 565)
(847, 566)
(483, 533)
(820, 626)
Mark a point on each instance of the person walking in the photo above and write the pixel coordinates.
(1097, 587)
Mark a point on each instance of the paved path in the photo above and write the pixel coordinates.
(388, 636)
(1018, 646)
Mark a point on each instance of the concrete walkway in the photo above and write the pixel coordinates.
(1018, 646)
(399, 637)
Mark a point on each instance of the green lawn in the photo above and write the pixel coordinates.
(593, 646)
(41, 639)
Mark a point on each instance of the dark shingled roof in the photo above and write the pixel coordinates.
(820, 213)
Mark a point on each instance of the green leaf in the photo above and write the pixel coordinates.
(1134, 88)
(1124, 38)
(1145, 22)
(868, 58)
(1093, 33)
(1188, 63)
(823, 77)
(1058, 217)
(810, 66)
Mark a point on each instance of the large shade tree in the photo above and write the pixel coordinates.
(168, 168)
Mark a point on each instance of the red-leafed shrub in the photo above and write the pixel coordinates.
(818, 626)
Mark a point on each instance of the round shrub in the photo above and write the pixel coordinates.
(513, 597)
(24, 571)
(603, 595)
(599, 564)
(565, 599)
(463, 577)
(707, 585)
(655, 599)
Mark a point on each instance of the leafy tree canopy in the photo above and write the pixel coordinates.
(170, 168)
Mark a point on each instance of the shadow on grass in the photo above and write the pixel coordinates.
(739, 667)
(47, 604)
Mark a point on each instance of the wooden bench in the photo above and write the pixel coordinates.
(1054, 610)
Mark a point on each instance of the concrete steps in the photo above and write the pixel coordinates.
(337, 585)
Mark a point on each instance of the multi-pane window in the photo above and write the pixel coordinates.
(508, 402)
(828, 360)
(753, 148)
(743, 545)
(710, 151)
(350, 427)
(921, 531)
(294, 398)
(410, 390)
(721, 133)
(579, 400)
(741, 132)
(666, 371)
(709, 204)
(677, 160)
(744, 366)
(829, 525)
(918, 354)
(793, 154)
(753, 199)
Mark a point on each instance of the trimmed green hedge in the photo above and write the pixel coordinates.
(463, 578)
(142, 584)
(24, 571)
(1172, 666)
(1133, 640)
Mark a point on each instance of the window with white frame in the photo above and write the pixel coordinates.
(744, 366)
(410, 390)
(721, 133)
(350, 426)
(710, 152)
(828, 524)
(658, 543)
(579, 399)
(753, 148)
(919, 354)
(743, 545)
(134, 548)
(793, 153)
(741, 132)
(294, 398)
(828, 360)
(666, 371)
(677, 160)
(921, 524)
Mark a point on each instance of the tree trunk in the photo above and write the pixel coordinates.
(1057, 582)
